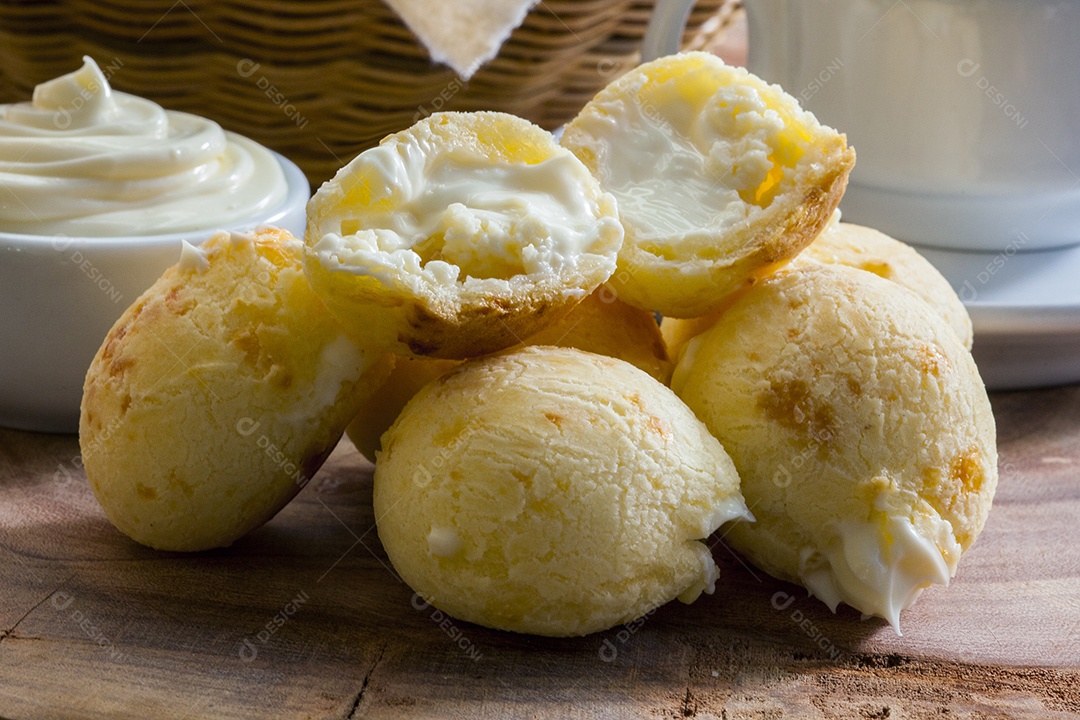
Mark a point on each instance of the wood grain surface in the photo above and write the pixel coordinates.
(305, 619)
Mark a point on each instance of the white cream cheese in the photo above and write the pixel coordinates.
(706, 580)
(880, 567)
(455, 215)
(193, 258)
(443, 542)
(733, 508)
(727, 510)
(84, 160)
(706, 154)
(340, 361)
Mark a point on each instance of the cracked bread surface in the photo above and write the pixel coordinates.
(218, 394)
(551, 491)
(858, 422)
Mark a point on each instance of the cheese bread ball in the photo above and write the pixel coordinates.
(385, 404)
(718, 175)
(860, 428)
(677, 332)
(551, 491)
(460, 235)
(599, 324)
(868, 249)
(605, 325)
(218, 394)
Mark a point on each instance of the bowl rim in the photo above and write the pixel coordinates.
(296, 196)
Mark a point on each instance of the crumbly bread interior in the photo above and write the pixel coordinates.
(718, 177)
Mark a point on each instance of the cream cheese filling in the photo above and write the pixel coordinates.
(880, 566)
(450, 216)
(717, 155)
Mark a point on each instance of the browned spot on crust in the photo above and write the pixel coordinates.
(248, 343)
(931, 361)
(658, 426)
(177, 304)
(283, 379)
(120, 365)
(114, 339)
(448, 436)
(791, 404)
(524, 479)
(854, 386)
(555, 419)
(635, 400)
(422, 317)
(146, 493)
(966, 470)
(185, 487)
(125, 403)
(418, 347)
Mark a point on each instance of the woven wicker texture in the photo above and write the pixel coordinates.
(321, 80)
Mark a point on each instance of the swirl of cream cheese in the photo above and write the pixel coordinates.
(83, 160)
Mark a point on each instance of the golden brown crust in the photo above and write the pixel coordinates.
(604, 325)
(850, 409)
(479, 328)
(379, 412)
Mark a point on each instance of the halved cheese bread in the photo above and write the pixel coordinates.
(719, 177)
(460, 236)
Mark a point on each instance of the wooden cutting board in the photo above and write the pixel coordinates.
(305, 619)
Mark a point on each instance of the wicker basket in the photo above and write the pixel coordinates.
(320, 80)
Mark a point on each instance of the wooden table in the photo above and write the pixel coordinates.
(304, 618)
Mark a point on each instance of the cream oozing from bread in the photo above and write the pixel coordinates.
(446, 216)
(880, 566)
(697, 179)
(861, 430)
(716, 158)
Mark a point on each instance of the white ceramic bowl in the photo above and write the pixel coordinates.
(59, 296)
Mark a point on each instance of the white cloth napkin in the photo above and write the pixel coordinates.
(463, 34)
